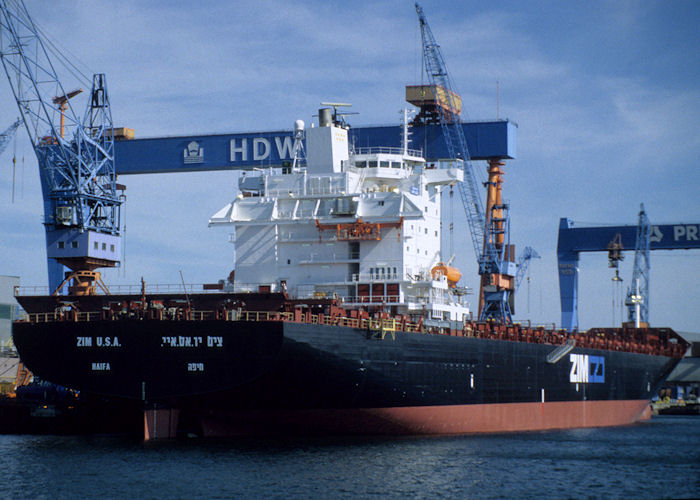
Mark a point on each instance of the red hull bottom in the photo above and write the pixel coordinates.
(160, 424)
(458, 419)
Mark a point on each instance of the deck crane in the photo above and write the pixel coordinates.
(489, 229)
(75, 155)
(7, 135)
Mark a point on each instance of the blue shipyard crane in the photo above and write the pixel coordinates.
(75, 154)
(489, 229)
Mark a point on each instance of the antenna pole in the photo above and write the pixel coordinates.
(498, 101)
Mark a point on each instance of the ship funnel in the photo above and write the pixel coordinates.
(325, 117)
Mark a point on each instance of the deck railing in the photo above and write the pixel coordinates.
(174, 288)
(657, 341)
(386, 324)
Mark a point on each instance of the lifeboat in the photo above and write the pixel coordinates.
(451, 273)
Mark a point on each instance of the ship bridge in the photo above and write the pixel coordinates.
(359, 224)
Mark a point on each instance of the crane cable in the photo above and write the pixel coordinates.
(57, 50)
(14, 165)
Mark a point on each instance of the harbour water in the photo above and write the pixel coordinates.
(657, 459)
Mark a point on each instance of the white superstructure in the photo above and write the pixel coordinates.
(361, 225)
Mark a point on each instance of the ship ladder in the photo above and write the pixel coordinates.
(561, 351)
(389, 326)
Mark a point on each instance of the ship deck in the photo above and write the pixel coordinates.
(277, 308)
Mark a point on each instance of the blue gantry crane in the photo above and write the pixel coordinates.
(641, 238)
(490, 228)
(75, 154)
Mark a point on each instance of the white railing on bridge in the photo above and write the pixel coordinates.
(376, 150)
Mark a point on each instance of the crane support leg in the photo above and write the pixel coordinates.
(568, 290)
(496, 287)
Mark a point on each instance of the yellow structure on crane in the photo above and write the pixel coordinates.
(62, 102)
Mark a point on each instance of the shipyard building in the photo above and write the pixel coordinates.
(8, 309)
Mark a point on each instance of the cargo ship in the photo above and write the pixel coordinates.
(342, 316)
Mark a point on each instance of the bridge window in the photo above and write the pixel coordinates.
(360, 164)
(395, 164)
(384, 164)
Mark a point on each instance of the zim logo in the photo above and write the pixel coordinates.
(587, 369)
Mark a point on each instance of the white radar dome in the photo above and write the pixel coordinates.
(298, 125)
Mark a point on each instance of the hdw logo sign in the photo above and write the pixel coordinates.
(587, 369)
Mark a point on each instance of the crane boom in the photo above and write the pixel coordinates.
(490, 228)
(453, 134)
(75, 155)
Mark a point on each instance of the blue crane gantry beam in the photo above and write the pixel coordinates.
(244, 151)
(574, 240)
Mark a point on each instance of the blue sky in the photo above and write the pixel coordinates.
(606, 96)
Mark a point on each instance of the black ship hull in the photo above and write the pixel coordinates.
(243, 377)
